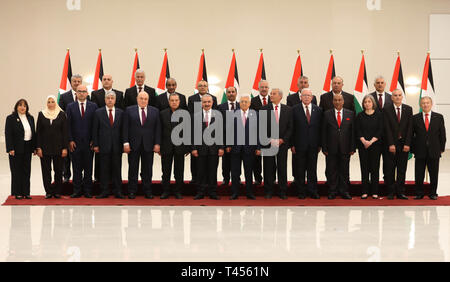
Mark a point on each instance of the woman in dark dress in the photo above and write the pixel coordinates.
(20, 137)
(52, 145)
(369, 128)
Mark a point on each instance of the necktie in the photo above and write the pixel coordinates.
(111, 119)
(339, 119)
(82, 110)
(308, 116)
(232, 106)
(244, 119)
(276, 113)
(140, 89)
(264, 101)
(144, 117)
(380, 100)
(206, 119)
(427, 122)
(398, 114)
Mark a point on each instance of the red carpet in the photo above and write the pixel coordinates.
(224, 201)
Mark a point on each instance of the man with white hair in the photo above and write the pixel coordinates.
(132, 93)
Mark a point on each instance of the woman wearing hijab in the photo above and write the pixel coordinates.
(20, 144)
(52, 145)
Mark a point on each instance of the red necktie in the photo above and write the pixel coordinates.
(144, 117)
(82, 110)
(398, 114)
(232, 106)
(427, 122)
(111, 120)
(380, 100)
(308, 116)
(276, 113)
(206, 119)
(264, 101)
(339, 119)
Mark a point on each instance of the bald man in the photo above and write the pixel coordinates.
(98, 96)
(326, 100)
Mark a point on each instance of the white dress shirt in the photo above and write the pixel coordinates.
(143, 88)
(395, 108)
(383, 98)
(336, 114)
(26, 127)
(74, 94)
(209, 116)
(429, 117)
(113, 112)
(267, 99)
(279, 109)
(140, 113)
(84, 105)
(229, 105)
(309, 108)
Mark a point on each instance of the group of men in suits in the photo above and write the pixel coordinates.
(140, 124)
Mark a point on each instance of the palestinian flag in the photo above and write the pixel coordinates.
(65, 85)
(331, 73)
(427, 88)
(233, 79)
(98, 72)
(298, 71)
(260, 75)
(201, 71)
(361, 88)
(397, 78)
(165, 74)
(135, 67)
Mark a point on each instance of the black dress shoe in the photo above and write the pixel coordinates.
(66, 179)
(346, 196)
(27, 197)
(390, 196)
(315, 196)
(164, 196)
(48, 196)
(198, 197)
(331, 196)
(226, 182)
(283, 196)
(131, 196)
(193, 181)
(301, 196)
(258, 181)
(57, 196)
(433, 197)
(148, 196)
(251, 197)
(74, 195)
(234, 197)
(102, 196)
(418, 197)
(119, 196)
(19, 197)
(402, 197)
(214, 197)
(268, 196)
(178, 196)
(88, 195)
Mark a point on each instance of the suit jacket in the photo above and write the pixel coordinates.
(247, 148)
(80, 129)
(197, 98)
(52, 138)
(306, 136)
(285, 124)
(131, 95)
(256, 103)
(393, 130)
(326, 101)
(65, 99)
(387, 100)
(166, 132)
(294, 99)
(204, 150)
(15, 133)
(98, 97)
(335, 139)
(163, 101)
(431, 142)
(136, 134)
(224, 106)
(108, 138)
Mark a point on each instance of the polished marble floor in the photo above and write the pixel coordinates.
(65, 233)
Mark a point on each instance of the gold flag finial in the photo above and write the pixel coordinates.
(203, 50)
(428, 52)
(398, 52)
(331, 51)
(232, 50)
(362, 51)
(68, 49)
(135, 49)
(298, 51)
(165, 49)
(260, 50)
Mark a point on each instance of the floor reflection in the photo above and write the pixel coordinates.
(228, 234)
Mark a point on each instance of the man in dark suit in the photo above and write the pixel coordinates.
(98, 96)
(306, 143)
(163, 98)
(326, 99)
(142, 138)
(64, 100)
(282, 115)
(80, 117)
(428, 144)
(256, 104)
(202, 87)
(397, 140)
(171, 153)
(207, 156)
(338, 145)
(383, 99)
(131, 93)
(246, 126)
(107, 142)
(295, 99)
(230, 105)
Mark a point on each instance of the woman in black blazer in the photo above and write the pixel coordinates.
(52, 145)
(369, 128)
(20, 137)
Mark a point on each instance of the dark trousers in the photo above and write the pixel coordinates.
(369, 160)
(433, 170)
(294, 167)
(207, 174)
(306, 165)
(178, 169)
(146, 159)
(97, 166)
(110, 172)
(193, 168)
(337, 173)
(82, 170)
(46, 167)
(226, 166)
(396, 162)
(257, 168)
(236, 160)
(20, 166)
(275, 165)
(66, 167)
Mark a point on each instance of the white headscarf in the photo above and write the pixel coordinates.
(51, 114)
